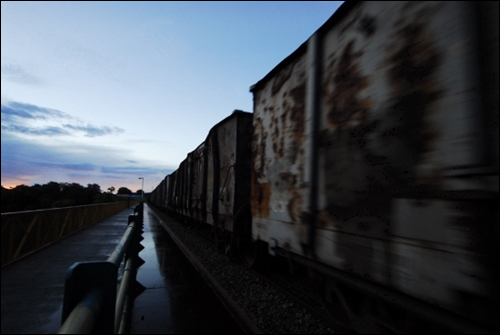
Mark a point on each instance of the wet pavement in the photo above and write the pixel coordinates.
(176, 299)
(33, 287)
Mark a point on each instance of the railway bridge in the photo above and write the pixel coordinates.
(34, 297)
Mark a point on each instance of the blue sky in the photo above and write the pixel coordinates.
(107, 92)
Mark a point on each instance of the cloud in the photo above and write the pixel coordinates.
(17, 74)
(71, 166)
(28, 161)
(13, 110)
(132, 170)
(92, 131)
(48, 131)
(28, 119)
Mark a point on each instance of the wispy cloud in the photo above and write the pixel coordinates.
(17, 74)
(13, 110)
(70, 166)
(23, 118)
(92, 131)
(27, 161)
(47, 131)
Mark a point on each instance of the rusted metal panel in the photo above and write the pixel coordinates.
(399, 109)
(279, 193)
(394, 113)
(403, 167)
(400, 119)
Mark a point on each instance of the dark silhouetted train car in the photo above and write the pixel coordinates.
(212, 185)
(228, 154)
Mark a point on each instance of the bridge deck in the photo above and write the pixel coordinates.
(175, 299)
(33, 287)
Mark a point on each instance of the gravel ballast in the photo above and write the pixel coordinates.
(270, 309)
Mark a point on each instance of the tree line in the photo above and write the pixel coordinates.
(54, 195)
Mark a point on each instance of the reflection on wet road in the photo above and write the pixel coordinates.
(176, 299)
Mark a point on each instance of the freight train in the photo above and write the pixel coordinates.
(371, 158)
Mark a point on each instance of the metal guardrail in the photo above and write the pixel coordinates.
(91, 302)
(25, 232)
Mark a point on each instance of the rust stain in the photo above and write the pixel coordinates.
(259, 148)
(415, 62)
(277, 138)
(281, 79)
(343, 103)
(289, 178)
(261, 195)
(297, 112)
(367, 25)
(293, 119)
(412, 75)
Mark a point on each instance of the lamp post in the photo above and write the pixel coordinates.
(142, 190)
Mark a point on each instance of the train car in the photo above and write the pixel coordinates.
(162, 201)
(228, 157)
(186, 189)
(212, 185)
(170, 192)
(197, 187)
(157, 196)
(153, 196)
(375, 160)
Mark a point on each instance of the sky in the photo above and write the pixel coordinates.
(109, 92)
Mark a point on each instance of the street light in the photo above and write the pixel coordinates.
(142, 190)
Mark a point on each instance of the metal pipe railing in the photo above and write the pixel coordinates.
(122, 294)
(28, 231)
(117, 254)
(91, 301)
(83, 317)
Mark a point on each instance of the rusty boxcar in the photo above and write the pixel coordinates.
(375, 152)
(371, 158)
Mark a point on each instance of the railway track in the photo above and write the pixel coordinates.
(295, 282)
(261, 301)
(281, 297)
(292, 280)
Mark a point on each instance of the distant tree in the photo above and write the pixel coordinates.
(124, 190)
(52, 189)
(73, 194)
(52, 195)
(104, 198)
(111, 189)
